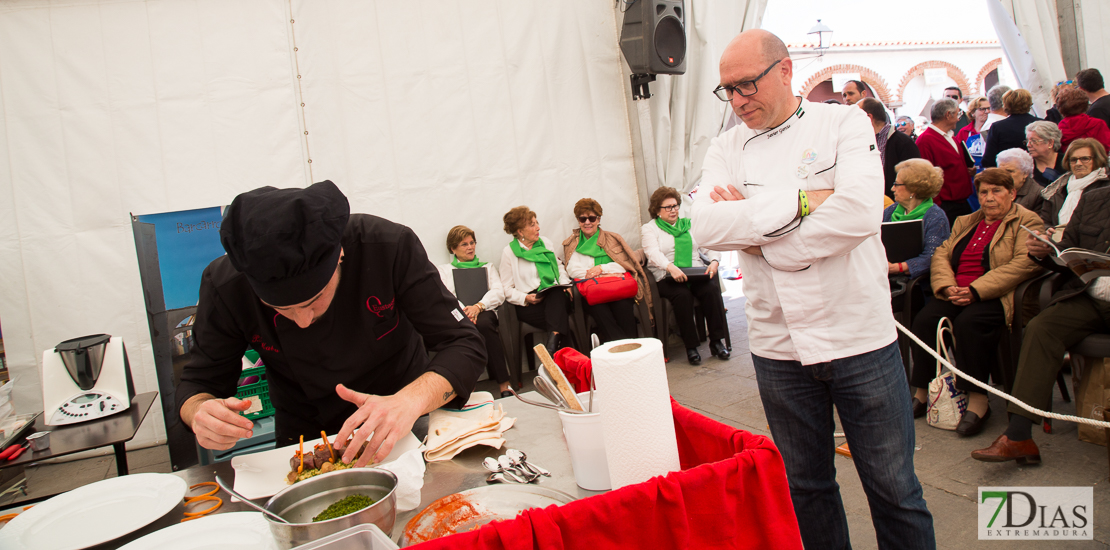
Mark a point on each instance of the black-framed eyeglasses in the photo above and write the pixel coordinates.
(588, 219)
(670, 208)
(745, 88)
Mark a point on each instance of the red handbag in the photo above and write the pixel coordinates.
(610, 288)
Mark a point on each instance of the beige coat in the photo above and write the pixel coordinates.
(1009, 259)
(618, 250)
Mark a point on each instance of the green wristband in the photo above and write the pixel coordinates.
(803, 201)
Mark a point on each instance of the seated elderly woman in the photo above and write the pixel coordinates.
(974, 274)
(593, 252)
(462, 245)
(1019, 165)
(1078, 310)
(1086, 159)
(529, 266)
(1042, 140)
(915, 185)
(669, 246)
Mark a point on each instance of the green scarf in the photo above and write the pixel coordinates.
(683, 244)
(900, 213)
(547, 267)
(467, 265)
(589, 247)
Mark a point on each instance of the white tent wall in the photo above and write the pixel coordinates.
(119, 107)
(1094, 16)
(1030, 39)
(429, 114)
(683, 122)
(452, 113)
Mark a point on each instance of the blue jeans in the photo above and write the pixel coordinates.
(872, 398)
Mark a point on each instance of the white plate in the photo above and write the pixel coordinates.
(96, 513)
(262, 475)
(231, 531)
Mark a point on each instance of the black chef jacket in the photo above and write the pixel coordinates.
(369, 339)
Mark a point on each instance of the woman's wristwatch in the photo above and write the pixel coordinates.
(481, 306)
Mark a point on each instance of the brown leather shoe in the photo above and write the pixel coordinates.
(1003, 449)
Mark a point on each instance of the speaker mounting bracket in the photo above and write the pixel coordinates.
(640, 88)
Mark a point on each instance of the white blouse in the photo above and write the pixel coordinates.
(492, 298)
(659, 249)
(519, 276)
(580, 263)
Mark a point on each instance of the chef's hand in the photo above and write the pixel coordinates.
(472, 312)
(532, 299)
(216, 422)
(387, 418)
(711, 269)
(817, 197)
(721, 194)
(676, 273)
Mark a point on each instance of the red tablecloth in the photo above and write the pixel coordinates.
(731, 493)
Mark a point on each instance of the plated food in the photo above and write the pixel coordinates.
(321, 459)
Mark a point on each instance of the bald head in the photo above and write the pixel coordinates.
(756, 42)
(756, 73)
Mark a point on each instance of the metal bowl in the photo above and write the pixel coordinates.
(300, 502)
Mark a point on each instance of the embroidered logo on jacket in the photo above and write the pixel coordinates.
(378, 308)
(256, 339)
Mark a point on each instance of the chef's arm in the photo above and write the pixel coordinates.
(732, 225)
(214, 370)
(851, 215)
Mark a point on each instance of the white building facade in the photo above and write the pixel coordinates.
(906, 76)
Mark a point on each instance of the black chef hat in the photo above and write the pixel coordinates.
(286, 241)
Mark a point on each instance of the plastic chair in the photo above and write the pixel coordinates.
(519, 337)
(662, 322)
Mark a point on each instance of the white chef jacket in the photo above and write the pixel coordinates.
(491, 299)
(820, 290)
(659, 249)
(519, 276)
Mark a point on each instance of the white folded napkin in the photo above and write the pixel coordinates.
(409, 469)
(479, 422)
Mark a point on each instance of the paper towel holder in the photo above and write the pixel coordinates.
(624, 347)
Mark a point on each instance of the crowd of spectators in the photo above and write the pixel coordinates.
(975, 176)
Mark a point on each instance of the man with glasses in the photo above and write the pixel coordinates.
(820, 328)
(955, 94)
(939, 147)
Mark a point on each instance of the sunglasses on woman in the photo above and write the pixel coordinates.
(589, 219)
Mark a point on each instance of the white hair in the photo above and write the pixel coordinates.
(1047, 131)
(1023, 160)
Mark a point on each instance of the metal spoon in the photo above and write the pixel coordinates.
(247, 501)
(536, 403)
(508, 468)
(545, 389)
(514, 457)
(494, 466)
(524, 459)
(498, 477)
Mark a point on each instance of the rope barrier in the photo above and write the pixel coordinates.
(1002, 394)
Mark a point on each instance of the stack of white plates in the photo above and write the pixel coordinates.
(94, 514)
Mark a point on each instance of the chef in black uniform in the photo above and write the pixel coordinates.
(341, 308)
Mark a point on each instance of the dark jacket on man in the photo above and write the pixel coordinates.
(899, 147)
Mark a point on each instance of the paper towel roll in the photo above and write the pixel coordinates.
(638, 424)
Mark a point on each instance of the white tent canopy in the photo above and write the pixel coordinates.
(429, 114)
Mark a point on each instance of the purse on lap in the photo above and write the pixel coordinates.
(610, 288)
(946, 403)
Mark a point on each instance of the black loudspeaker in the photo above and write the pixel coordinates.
(653, 37)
